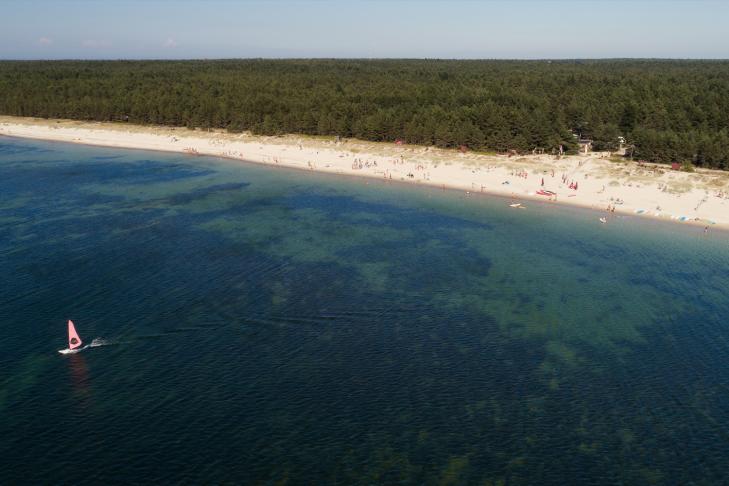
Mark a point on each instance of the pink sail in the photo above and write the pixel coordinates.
(73, 340)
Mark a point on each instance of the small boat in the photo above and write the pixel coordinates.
(515, 205)
(74, 341)
(544, 192)
(603, 220)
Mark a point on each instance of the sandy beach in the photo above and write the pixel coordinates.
(592, 180)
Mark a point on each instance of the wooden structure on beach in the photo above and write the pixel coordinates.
(585, 145)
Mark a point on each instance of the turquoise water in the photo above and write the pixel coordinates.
(268, 326)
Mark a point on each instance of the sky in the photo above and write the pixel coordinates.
(486, 29)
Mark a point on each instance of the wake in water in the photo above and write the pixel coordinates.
(95, 343)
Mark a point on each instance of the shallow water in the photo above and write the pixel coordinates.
(273, 326)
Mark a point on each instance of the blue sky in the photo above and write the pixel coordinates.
(113, 29)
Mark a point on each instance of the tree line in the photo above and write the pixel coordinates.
(667, 111)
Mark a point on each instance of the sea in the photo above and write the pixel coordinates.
(259, 325)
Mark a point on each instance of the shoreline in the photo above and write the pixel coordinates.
(652, 191)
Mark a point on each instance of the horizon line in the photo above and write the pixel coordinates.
(324, 58)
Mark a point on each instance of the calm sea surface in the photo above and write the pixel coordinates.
(268, 326)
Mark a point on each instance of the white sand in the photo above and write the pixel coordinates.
(701, 197)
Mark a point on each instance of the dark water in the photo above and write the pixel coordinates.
(277, 327)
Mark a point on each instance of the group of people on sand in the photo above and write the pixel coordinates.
(360, 164)
(572, 184)
(232, 153)
(521, 173)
